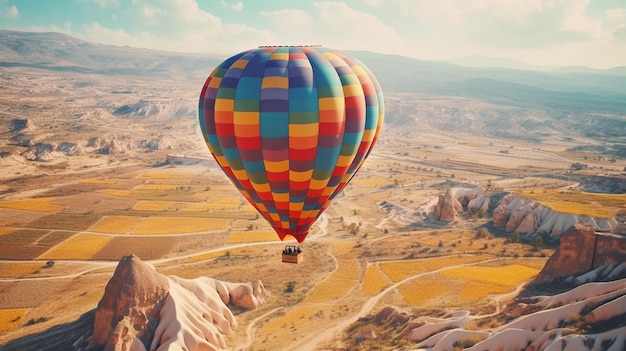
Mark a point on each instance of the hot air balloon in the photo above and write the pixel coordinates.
(290, 126)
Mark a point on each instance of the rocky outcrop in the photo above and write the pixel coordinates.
(522, 215)
(581, 250)
(71, 149)
(155, 110)
(144, 310)
(474, 198)
(129, 309)
(447, 207)
(156, 144)
(615, 184)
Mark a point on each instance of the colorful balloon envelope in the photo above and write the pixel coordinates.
(290, 126)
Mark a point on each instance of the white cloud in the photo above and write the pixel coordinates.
(288, 18)
(10, 12)
(512, 23)
(341, 27)
(107, 3)
(177, 25)
(238, 6)
(149, 15)
(97, 33)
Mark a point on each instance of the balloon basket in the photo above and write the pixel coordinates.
(292, 254)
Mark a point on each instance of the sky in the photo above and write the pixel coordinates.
(588, 33)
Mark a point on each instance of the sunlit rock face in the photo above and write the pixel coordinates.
(447, 208)
(582, 250)
(144, 310)
(130, 306)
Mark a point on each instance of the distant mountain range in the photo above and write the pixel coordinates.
(567, 87)
(574, 95)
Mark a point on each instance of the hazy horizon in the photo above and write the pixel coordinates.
(538, 33)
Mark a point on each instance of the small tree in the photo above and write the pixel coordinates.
(537, 242)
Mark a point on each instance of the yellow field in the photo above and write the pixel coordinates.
(98, 181)
(475, 291)
(79, 247)
(298, 318)
(207, 256)
(233, 200)
(11, 319)
(15, 269)
(344, 246)
(115, 192)
(36, 205)
(237, 236)
(161, 206)
(578, 203)
(338, 284)
(6, 230)
(420, 291)
(156, 187)
(510, 276)
(374, 281)
(115, 224)
(175, 225)
(398, 270)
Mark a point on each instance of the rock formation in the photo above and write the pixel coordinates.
(447, 207)
(581, 249)
(533, 323)
(144, 310)
(133, 297)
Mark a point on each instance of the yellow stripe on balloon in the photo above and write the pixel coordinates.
(328, 191)
(353, 90)
(240, 174)
(304, 130)
(280, 197)
(358, 70)
(239, 64)
(276, 166)
(296, 206)
(331, 103)
(300, 176)
(245, 117)
(215, 82)
(330, 56)
(280, 56)
(261, 187)
(344, 161)
(318, 184)
(275, 82)
(368, 135)
(224, 105)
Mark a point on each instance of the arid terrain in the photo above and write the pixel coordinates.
(97, 165)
